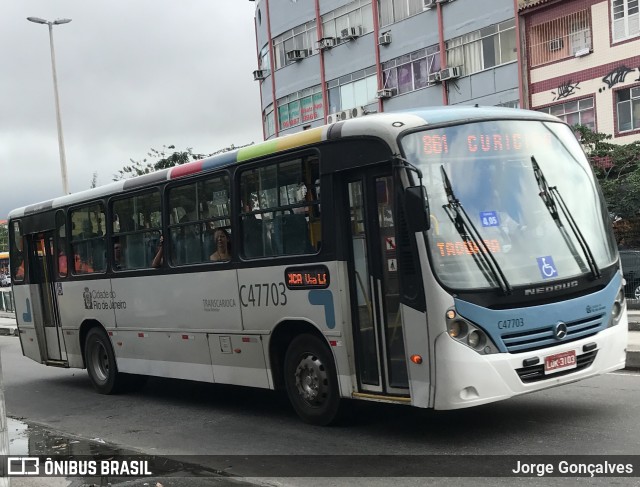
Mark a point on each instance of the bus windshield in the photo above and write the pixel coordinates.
(527, 192)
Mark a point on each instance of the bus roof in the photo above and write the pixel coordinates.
(379, 125)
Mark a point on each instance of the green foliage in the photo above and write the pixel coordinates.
(617, 167)
(4, 237)
(165, 158)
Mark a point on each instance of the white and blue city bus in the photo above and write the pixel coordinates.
(441, 258)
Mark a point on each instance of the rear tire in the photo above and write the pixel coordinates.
(311, 380)
(101, 363)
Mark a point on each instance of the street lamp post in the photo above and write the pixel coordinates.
(63, 160)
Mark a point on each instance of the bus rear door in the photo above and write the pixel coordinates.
(45, 313)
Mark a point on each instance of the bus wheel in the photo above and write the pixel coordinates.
(101, 362)
(311, 380)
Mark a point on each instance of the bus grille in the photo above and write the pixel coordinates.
(535, 373)
(527, 341)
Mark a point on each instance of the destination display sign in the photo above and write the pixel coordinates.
(434, 144)
(313, 277)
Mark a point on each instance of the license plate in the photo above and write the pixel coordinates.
(560, 361)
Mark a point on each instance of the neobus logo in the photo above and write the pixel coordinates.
(550, 289)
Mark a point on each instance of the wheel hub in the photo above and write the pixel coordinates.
(311, 379)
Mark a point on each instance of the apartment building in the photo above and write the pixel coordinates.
(324, 60)
(581, 62)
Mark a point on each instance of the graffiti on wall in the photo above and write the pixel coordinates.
(565, 89)
(616, 76)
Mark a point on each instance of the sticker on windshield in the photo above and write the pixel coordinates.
(547, 267)
(489, 218)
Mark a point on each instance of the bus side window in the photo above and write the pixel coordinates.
(88, 239)
(136, 230)
(291, 233)
(196, 209)
(252, 237)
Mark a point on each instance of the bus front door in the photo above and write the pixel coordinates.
(375, 303)
(46, 316)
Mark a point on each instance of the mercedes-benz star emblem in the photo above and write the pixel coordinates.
(560, 330)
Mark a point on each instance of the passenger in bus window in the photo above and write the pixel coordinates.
(221, 240)
(118, 263)
(81, 266)
(62, 261)
(157, 260)
(20, 269)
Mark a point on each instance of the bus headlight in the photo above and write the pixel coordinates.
(465, 332)
(618, 308)
(475, 339)
(457, 329)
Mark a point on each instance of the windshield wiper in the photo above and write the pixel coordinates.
(552, 198)
(465, 227)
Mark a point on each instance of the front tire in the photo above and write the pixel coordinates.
(311, 380)
(101, 362)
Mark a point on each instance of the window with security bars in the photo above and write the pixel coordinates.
(625, 19)
(579, 112)
(561, 38)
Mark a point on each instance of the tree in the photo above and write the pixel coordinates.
(617, 167)
(165, 158)
(4, 237)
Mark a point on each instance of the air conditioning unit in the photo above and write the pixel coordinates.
(556, 44)
(260, 74)
(346, 114)
(582, 52)
(326, 43)
(428, 4)
(384, 38)
(434, 77)
(297, 54)
(385, 93)
(351, 32)
(450, 73)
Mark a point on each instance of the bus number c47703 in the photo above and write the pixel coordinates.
(267, 294)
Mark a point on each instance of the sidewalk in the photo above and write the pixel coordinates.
(633, 349)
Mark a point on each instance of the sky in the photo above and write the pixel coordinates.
(132, 75)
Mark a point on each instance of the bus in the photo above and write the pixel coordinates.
(439, 258)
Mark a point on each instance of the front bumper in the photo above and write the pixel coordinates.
(465, 378)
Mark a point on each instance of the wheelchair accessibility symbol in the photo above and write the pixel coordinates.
(547, 267)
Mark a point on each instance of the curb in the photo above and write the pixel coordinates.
(633, 360)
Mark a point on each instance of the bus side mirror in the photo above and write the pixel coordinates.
(416, 206)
